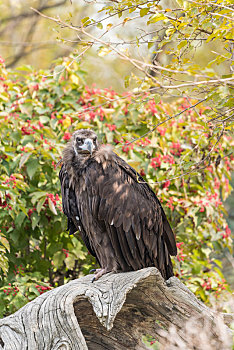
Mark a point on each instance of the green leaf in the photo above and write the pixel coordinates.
(15, 136)
(58, 70)
(70, 261)
(58, 259)
(126, 81)
(27, 139)
(218, 262)
(52, 207)
(157, 98)
(24, 159)
(99, 25)
(35, 219)
(26, 68)
(4, 96)
(156, 18)
(23, 209)
(54, 247)
(44, 119)
(188, 165)
(40, 204)
(32, 167)
(85, 21)
(19, 219)
(4, 242)
(151, 44)
(36, 195)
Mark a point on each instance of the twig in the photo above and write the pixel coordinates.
(197, 165)
(29, 14)
(135, 63)
(166, 120)
(73, 60)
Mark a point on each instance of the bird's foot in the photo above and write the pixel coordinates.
(99, 273)
(93, 270)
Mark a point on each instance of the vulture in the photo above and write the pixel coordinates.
(119, 217)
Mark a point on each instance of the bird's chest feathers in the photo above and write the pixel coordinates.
(87, 177)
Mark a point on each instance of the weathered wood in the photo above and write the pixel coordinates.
(111, 313)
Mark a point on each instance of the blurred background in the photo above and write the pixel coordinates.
(27, 38)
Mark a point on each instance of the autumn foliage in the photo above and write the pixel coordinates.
(38, 113)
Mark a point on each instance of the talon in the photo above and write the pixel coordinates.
(99, 273)
(92, 270)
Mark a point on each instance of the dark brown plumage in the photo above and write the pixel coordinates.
(121, 221)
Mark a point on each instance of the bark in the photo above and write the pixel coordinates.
(111, 313)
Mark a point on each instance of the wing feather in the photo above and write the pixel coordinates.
(70, 209)
(126, 250)
(118, 249)
(126, 208)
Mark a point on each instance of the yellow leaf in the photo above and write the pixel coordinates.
(67, 122)
(74, 79)
(104, 51)
(135, 164)
(125, 20)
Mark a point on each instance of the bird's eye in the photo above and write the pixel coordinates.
(78, 140)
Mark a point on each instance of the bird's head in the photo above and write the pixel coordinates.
(85, 142)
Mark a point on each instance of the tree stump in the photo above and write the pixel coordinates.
(111, 313)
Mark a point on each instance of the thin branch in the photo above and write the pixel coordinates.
(211, 3)
(221, 115)
(134, 62)
(65, 67)
(189, 172)
(29, 14)
(221, 15)
(166, 120)
(201, 30)
(29, 43)
(196, 83)
(118, 12)
(197, 165)
(28, 36)
(29, 52)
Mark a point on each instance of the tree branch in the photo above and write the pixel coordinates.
(137, 64)
(114, 313)
(30, 14)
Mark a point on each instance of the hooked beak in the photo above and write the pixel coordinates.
(88, 146)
